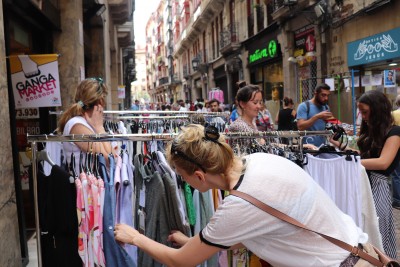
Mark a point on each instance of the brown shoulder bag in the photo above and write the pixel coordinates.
(377, 257)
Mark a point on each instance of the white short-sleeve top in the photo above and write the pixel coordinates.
(70, 147)
(286, 187)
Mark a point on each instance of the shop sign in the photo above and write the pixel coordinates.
(121, 91)
(35, 81)
(378, 47)
(27, 113)
(304, 40)
(271, 51)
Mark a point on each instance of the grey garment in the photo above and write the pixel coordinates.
(156, 221)
(139, 177)
(172, 204)
(206, 212)
(178, 192)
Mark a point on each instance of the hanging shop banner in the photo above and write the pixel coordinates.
(378, 47)
(121, 91)
(304, 40)
(35, 81)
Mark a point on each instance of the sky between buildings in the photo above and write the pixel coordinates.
(143, 10)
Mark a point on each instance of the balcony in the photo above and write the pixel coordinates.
(162, 81)
(176, 78)
(121, 11)
(284, 9)
(195, 26)
(229, 40)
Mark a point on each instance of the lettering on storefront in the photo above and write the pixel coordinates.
(270, 51)
(336, 62)
(375, 48)
(304, 40)
(36, 86)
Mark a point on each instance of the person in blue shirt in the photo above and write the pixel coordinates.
(313, 114)
(135, 106)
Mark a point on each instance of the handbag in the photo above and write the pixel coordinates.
(369, 255)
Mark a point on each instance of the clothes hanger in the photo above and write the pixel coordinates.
(43, 155)
(71, 166)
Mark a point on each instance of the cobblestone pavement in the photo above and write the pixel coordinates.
(396, 215)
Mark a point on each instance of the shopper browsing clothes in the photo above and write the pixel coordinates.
(86, 116)
(379, 145)
(204, 160)
(312, 114)
(249, 101)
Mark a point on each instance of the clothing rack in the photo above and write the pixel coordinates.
(34, 139)
(170, 112)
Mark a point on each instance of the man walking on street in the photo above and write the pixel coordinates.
(313, 114)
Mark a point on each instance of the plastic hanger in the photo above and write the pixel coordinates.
(72, 166)
(81, 163)
(43, 155)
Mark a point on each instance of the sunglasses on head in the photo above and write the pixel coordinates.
(210, 134)
(99, 89)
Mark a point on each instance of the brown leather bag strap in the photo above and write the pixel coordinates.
(282, 216)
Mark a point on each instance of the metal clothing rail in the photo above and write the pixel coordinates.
(152, 117)
(34, 139)
(170, 112)
(276, 134)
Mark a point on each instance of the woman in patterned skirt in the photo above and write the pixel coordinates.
(379, 145)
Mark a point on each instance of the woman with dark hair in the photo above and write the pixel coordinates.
(249, 100)
(286, 116)
(379, 145)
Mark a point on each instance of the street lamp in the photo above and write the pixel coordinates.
(195, 63)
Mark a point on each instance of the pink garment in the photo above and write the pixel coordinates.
(94, 229)
(82, 223)
(216, 94)
(219, 95)
(88, 202)
(100, 248)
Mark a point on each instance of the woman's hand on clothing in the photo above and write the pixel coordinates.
(192, 253)
(95, 118)
(178, 238)
(125, 234)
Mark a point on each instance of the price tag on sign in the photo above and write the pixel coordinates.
(27, 113)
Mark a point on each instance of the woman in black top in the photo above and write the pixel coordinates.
(286, 116)
(379, 145)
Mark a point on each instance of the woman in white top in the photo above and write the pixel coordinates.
(85, 116)
(206, 161)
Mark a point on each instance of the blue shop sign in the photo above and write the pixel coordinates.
(378, 47)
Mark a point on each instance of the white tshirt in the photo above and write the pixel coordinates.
(286, 187)
(70, 147)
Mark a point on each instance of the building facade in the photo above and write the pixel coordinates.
(286, 47)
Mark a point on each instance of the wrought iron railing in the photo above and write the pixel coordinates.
(162, 81)
(228, 36)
